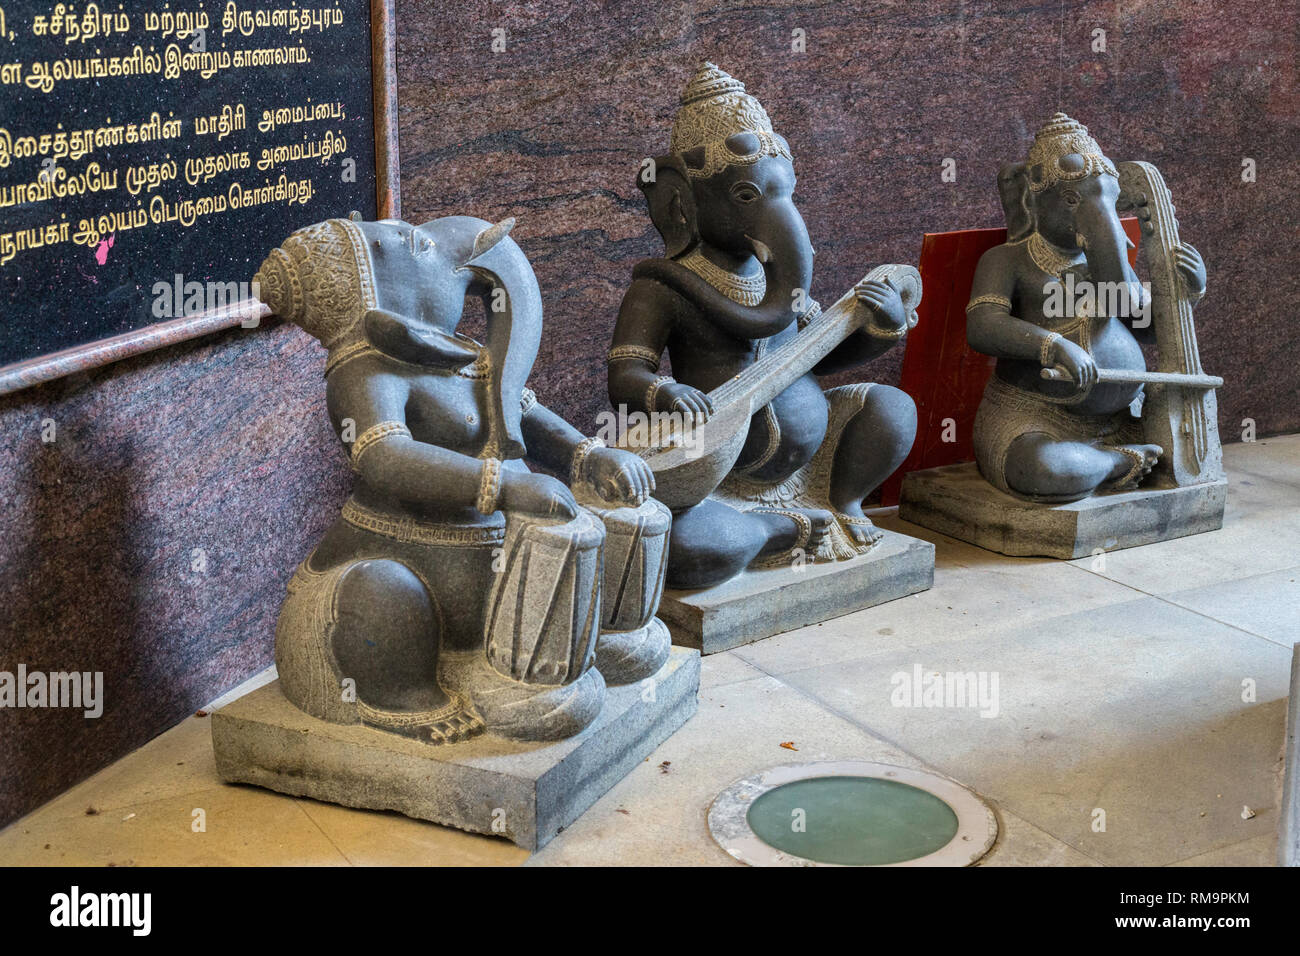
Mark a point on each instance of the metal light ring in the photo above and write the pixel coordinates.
(728, 817)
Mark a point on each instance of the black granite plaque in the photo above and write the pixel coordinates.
(152, 153)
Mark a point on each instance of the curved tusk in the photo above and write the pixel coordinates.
(761, 250)
(490, 236)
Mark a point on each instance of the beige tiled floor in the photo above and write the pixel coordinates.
(1123, 688)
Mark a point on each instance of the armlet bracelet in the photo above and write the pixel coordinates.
(652, 392)
(372, 436)
(877, 332)
(640, 352)
(1044, 347)
(892, 334)
(992, 299)
(580, 457)
(803, 318)
(489, 486)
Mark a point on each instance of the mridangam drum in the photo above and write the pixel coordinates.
(633, 643)
(543, 612)
(636, 558)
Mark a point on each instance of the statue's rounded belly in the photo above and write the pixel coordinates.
(1113, 347)
(448, 411)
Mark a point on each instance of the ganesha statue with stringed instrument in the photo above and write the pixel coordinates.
(1066, 316)
(1079, 447)
(761, 467)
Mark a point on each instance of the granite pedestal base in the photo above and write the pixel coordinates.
(956, 500)
(758, 604)
(525, 792)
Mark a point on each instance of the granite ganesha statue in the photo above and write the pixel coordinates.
(458, 590)
(729, 296)
(1062, 416)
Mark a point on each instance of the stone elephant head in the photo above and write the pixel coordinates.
(401, 289)
(1067, 192)
(728, 185)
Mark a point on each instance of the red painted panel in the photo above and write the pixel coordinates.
(944, 375)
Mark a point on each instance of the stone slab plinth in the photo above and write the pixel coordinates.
(956, 500)
(1288, 831)
(526, 792)
(758, 604)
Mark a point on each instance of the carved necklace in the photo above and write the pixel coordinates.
(1049, 258)
(1054, 261)
(745, 290)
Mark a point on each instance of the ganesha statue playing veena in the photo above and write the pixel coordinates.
(762, 467)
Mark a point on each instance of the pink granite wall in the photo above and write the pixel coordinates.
(152, 538)
(551, 131)
(223, 446)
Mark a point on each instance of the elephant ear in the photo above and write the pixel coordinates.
(416, 342)
(1013, 187)
(672, 204)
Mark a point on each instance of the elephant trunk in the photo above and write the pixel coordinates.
(786, 254)
(513, 303)
(787, 257)
(1104, 243)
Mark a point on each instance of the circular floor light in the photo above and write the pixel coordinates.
(851, 813)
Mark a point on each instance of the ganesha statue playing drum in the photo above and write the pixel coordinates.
(458, 591)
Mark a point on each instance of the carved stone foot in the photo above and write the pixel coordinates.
(625, 657)
(1140, 459)
(523, 711)
(811, 526)
(456, 721)
(861, 529)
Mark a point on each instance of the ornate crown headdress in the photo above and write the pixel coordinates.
(1060, 136)
(321, 280)
(714, 106)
